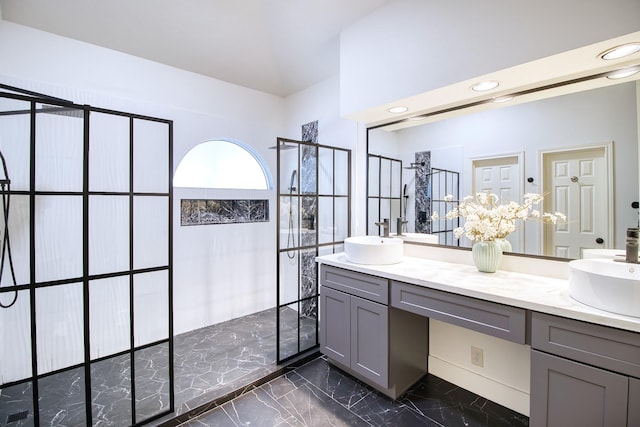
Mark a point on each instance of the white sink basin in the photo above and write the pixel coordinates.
(373, 250)
(606, 284)
(417, 237)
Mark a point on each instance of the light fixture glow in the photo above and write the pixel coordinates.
(502, 99)
(624, 72)
(398, 110)
(621, 51)
(484, 86)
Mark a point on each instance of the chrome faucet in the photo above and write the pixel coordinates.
(632, 245)
(385, 227)
(399, 223)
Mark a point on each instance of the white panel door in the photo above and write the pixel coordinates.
(576, 183)
(501, 176)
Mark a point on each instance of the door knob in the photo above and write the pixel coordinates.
(599, 240)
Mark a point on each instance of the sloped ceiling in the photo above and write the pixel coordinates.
(275, 46)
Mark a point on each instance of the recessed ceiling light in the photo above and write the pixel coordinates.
(621, 51)
(624, 72)
(501, 99)
(483, 86)
(398, 110)
(416, 118)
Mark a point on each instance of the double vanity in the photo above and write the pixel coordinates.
(585, 362)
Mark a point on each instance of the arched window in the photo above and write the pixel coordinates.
(223, 164)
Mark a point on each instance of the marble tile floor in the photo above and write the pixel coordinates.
(208, 363)
(318, 394)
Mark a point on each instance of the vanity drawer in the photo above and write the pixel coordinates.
(597, 345)
(499, 320)
(359, 284)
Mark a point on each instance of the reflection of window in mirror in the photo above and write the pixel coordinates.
(223, 164)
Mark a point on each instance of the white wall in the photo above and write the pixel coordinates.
(220, 271)
(412, 46)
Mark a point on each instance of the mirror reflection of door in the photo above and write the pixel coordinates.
(501, 176)
(577, 184)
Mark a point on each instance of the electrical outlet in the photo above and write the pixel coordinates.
(477, 356)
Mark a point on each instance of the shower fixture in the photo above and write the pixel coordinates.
(282, 146)
(414, 165)
(5, 189)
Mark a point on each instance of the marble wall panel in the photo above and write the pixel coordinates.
(223, 211)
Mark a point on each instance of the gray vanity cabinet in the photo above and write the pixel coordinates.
(583, 374)
(361, 334)
(354, 333)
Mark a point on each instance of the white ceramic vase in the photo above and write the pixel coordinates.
(487, 255)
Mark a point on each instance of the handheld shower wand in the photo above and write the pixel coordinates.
(5, 189)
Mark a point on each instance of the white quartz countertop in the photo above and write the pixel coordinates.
(531, 292)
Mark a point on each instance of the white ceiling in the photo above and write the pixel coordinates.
(275, 46)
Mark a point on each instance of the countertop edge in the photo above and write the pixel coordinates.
(526, 291)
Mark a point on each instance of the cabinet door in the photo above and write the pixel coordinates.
(335, 331)
(370, 340)
(566, 393)
(634, 402)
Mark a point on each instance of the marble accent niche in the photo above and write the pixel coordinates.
(223, 211)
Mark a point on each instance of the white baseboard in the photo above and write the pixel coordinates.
(488, 388)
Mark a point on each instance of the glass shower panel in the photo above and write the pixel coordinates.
(308, 320)
(308, 162)
(374, 176)
(325, 171)
(289, 171)
(109, 155)
(341, 207)
(58, 237)
(395, 214)
(289, 237)
(15, 336)
(109, 316)
(19, 240)
(150, 156)
(374, 216)
(288, 330)
(59, 327)
(396, 179)
(108, 234)
(150, 307)
(385, 178)
(16, 403)
(152, 380)
(308, 221)
(326, 226)
(111, 391)
(150, 231)
(62, 399)
(385, 210)
(15, 142)
(289, 274)
(308, 284)
(60, 148)
(341, 174)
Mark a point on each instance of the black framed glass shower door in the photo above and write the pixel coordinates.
(313, 218)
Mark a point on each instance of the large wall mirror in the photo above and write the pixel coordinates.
(579, 149)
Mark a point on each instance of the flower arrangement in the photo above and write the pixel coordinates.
(486, 219)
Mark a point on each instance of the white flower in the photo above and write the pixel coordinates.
(435, 216)
(486, 219)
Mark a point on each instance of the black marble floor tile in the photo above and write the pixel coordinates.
(318, 394)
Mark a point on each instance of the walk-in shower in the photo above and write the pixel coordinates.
(86, 245)
(313, 219)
